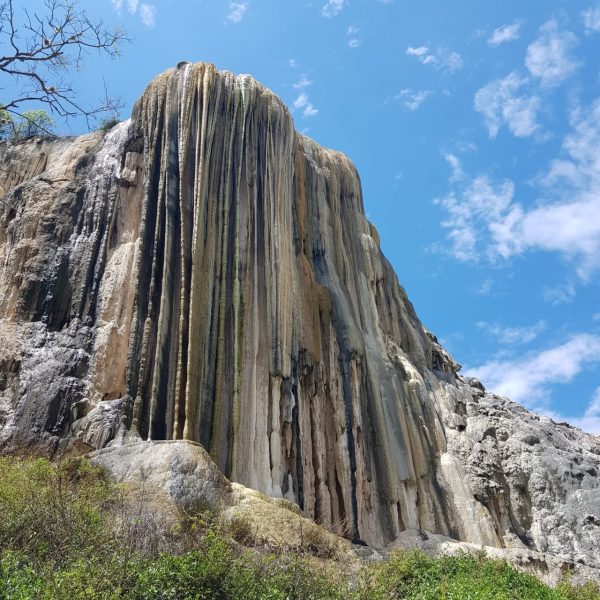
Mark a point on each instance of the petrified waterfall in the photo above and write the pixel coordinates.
(204, 272)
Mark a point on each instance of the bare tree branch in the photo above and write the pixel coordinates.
(45, 49)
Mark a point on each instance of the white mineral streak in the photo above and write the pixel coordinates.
(204, 272)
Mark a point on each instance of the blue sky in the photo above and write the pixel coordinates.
(475, 127)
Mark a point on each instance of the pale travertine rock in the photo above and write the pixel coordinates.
(203, 272)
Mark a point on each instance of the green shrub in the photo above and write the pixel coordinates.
(18, 579)
(64, 536)
(108, 123)
(34, 123)
(413, 574)
(51, 513)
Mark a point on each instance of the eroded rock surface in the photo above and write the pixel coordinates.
(204, 272)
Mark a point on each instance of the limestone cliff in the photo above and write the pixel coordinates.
(204, 272)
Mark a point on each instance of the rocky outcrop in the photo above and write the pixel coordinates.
(166, 482)
(204, 272)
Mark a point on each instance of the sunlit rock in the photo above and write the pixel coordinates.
(204, 272)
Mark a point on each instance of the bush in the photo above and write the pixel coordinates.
(65, 535)
(413, 574)
(34, 123)
(108, 123)
(51, 513)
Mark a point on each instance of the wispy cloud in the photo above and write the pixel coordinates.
(421, 52)
(485, 287)
(510, 336)
(471, 211)
(504, 34)
(591, 20)
(355, 41)
(302, 103)
(549, 57)
(559, 294)
(484, 220)
(455, 165)
(411, 99)
(148, 14)
(237, 10)
(332, 8)
(528, 379)
(445, 60)
(303, 82)
(502, 103)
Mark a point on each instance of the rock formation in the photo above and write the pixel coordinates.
(203, 272)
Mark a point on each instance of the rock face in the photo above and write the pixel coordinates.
(203, 272)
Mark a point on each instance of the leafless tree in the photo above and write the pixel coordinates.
(43, 49)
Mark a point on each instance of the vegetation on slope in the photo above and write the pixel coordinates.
(66, 532)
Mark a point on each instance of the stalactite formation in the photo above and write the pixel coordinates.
(204, 272)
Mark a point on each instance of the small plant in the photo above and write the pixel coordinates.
(318, 542)
(240, 529)
(108, 123)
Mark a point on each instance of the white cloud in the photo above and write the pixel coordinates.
(332, 8)
(413, 99)
(470, 213)
(293, 63)
(444, 60)
(570, 224)
(302, 102)
(451, 61)
(549, 58)
(353, 42)
(148, 14)
(455, 165)
(528, 379)
(570, 228)
(504, 34)
(421, 51)
(484, 220)
(303, 82)
(591, 20)
(559, 294)
(237, 10)
(596, 316)
(512, 335)
(485, 287)
(501, 104)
